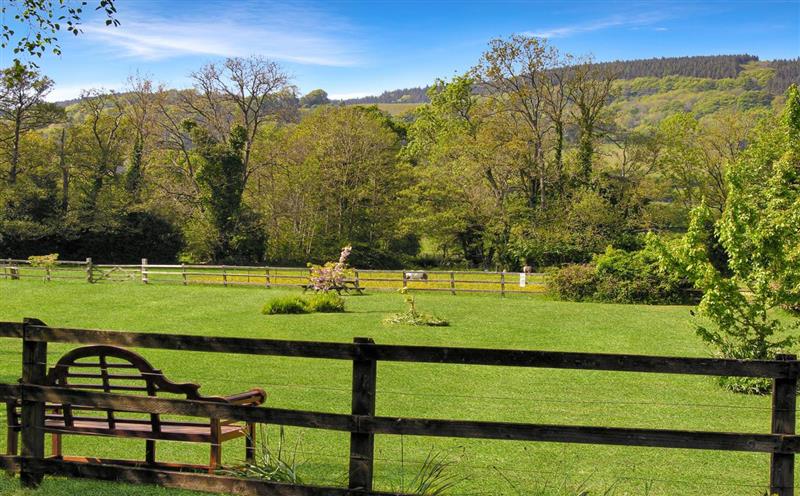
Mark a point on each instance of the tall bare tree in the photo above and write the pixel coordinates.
(517, 72)
(590, 90)
(103, 150)
(141, 109)
(240, 91)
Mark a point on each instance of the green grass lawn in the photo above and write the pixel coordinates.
(425, 390)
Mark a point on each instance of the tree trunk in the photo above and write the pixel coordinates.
(586, 152)
(12, 174)
(62, 164)
(559, 152)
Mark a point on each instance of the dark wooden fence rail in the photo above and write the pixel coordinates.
(782, 444)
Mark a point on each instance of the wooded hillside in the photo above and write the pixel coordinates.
(786, 72)
(532, 156)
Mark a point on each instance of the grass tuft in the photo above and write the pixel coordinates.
(285, 305)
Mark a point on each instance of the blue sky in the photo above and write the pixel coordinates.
(352, 48)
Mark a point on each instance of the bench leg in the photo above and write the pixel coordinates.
(150, 452)
(250, 443)
(216, 446)
(216, 457)
(55, 440)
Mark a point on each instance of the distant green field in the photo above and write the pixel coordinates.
(424, 390)
(441, 281)
(393, 108)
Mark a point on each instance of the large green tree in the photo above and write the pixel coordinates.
(760, 233)
(23, 109)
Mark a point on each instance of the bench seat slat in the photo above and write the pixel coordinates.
(123, 428)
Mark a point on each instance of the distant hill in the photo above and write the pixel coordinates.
(714, 67)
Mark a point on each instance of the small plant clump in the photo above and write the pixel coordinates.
(412, 316)
(286, 305)
(294, 305)
(326, 303)
(270, 464)
(435, 477)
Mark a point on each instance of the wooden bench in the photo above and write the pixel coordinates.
(346, 286)
(117, 370)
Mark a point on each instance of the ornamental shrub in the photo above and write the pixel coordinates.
(619, 276)
(326, 303)
(574, 282)
(636, 277)
(285, 305)
(331, 275)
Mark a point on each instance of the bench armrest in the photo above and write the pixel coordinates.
(253, 397)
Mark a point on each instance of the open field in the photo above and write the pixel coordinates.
(393, 108)
(437, 391)
(472, 281)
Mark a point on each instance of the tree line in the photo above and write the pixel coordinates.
(786, 72)
(538, 167)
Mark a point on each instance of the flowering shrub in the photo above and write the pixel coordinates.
(332, 275)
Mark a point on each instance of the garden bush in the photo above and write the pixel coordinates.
(574, 282)
(636, 277)
(619, 276)
(326, 303)
(286, 305)
(126, 240)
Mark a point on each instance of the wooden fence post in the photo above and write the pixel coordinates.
(362, 446)
(266, 277)
(356, 281)
(34, 370)
(405, 281)
(224, 277)
(89, 274)
(784, 404)
(503, 283)
(452, 282)
(144, 271)
(183, 271)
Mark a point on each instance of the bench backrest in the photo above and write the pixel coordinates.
(113, 370)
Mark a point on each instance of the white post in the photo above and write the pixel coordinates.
(523, 279)
(144, 271)
(89, 275)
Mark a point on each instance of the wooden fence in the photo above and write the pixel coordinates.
(362, 423)
(452, 281)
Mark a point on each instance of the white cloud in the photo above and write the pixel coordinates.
(599, 24)
(72, 91)
(290, 34)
